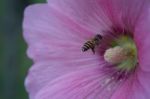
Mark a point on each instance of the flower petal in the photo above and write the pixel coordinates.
(48, 33)
(89, 83)
(133, 88)
(42, 73)
(144, 80)
(101, 15)
(142, 38)
(87, 13)
(54, 45)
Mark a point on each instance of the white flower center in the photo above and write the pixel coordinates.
(115, 55)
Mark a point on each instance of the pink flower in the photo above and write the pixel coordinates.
(119, 69)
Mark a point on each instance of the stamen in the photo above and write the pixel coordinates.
(122, 53)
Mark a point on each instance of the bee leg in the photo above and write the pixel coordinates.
(83, 49)
(93, 50)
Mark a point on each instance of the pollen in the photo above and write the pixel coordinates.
(115, 55)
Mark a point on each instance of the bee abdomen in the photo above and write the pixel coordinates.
(88, 45)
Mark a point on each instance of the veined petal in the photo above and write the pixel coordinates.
(48, 33)
(42, 73)
(144, 80)
(142, 38)
(87, 13)
(54, 45)
(133, 88)
(89, 83)
(101, 15)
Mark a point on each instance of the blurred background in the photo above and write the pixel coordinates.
(14, 63)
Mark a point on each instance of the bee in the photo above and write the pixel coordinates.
(91, 44)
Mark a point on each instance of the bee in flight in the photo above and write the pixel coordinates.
(91, 44)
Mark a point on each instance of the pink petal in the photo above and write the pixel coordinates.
(142, 38)
(55, 43)
(144, 80)
(102, 15)
(87, 13)
(48, 32)
(133, 88)
(84, 84)
(42, 73)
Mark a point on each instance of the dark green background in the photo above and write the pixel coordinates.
(14, 63)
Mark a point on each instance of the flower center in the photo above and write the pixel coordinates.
(122, 54)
